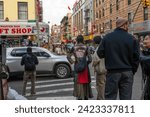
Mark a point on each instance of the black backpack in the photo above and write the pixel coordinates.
(29, 63)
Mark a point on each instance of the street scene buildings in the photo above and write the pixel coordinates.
(88, 17)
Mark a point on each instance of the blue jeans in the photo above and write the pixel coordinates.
(119, 81)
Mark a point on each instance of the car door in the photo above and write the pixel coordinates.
(14, 59)
(44, 59)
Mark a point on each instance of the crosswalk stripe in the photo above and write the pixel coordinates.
(53, 91)
(55, 80)
(52, 85)
(57, 98)
(50, 81)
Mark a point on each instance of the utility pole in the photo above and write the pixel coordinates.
(37, 21)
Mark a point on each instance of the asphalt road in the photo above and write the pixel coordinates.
(50, 88)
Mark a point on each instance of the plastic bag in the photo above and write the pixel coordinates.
(13, 95)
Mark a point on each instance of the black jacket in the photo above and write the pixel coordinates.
(120, 50)
(23, 61)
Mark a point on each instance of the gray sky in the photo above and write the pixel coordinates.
(54, 10)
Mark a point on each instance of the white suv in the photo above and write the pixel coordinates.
(49, 63)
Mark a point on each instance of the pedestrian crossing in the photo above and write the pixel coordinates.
(54, 89)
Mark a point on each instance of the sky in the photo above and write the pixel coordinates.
(55, 10)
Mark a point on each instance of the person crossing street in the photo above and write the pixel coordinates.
(29, 61)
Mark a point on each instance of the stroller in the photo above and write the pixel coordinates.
(145, 65)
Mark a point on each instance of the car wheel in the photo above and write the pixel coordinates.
(62, 71)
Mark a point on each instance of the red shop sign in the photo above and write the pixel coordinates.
(15, 30)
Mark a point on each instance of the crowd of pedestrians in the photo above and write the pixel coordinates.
(115, 63)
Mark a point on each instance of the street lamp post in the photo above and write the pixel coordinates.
(37, 21)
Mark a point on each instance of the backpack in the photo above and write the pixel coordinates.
(29, 63)
(80, 54)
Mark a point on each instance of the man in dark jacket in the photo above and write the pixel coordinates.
(121, 53)
(29, 61)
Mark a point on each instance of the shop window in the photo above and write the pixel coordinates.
(1, 10)
(22, 10)
(145, 9)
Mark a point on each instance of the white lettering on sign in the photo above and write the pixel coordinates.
(15, 30)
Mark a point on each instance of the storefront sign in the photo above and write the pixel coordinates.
(15, 30)
(21, 28)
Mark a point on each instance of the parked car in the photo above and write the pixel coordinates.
(49, 63)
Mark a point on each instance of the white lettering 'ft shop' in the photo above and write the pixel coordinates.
(15, 30)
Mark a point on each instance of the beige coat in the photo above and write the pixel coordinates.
(98, 64)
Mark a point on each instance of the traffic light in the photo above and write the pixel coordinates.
(146, 3)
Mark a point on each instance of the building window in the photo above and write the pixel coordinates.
(100, 27)
(96, 3)
(99, 14)
(129, 2)
(110, 8)
(96, 14)
(129, 18)
(22, 10)
(99, 2)
(103, 27)
(117, 4)
(103, 12)
(1, 10)
(110, 24)
(145, 13)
